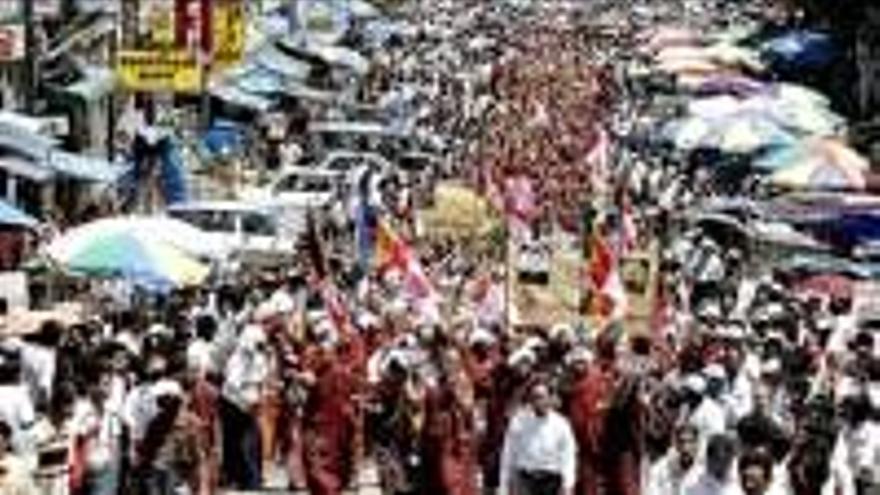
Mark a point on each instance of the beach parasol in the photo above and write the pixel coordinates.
(153, 252)
(746, 133)
(733, 85)
(737, 132)
(833, 284)
(800, 49)
(823, 151)
(820, 176)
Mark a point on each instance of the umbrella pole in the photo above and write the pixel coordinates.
(508, 282)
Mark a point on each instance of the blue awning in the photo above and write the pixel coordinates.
(10, 215)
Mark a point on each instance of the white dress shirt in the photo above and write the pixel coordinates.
(245, 371)
(535, 443)
(666, 476)
(702, 483)
(710, 419)
(17, 410)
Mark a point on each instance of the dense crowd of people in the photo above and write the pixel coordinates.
(738, 384)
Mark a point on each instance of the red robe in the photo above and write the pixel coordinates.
(330, 418)
(449, 443)
(608, 430)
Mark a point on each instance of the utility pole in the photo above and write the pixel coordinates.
(206, 50)
(30, 56)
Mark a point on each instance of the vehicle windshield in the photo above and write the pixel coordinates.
(207, 220)
(305, 184)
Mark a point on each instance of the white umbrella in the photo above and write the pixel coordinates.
(165, 230)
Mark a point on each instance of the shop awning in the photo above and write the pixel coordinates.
(236, 96)
(10, 215)
(25, 167)
(82, 167)
(95, 83)
(275, 60)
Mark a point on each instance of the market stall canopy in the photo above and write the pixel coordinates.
(25, 167)
(95, 83)
(235, 96)
(83, 167)
(277, 60)
(12, 216)
(335, 56)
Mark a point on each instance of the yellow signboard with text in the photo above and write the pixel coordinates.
(158, 71)
(228, 28)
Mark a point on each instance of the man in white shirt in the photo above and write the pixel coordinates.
(709, 417)
(716, 478)
(667, 475)
(245, 373)
(540, 451)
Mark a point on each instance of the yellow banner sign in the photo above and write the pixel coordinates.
(151, 71)
(228, 30)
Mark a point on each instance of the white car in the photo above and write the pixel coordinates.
(352, 163)
(303, 187)
(250, 232)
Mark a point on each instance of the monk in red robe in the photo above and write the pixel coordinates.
(606, 416)
(330, 415)
(448, 440)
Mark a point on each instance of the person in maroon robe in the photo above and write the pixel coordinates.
(607, 417)
(330, 414)
(448, 439)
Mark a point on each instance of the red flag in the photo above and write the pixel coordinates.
(629, 234)
(605, 284)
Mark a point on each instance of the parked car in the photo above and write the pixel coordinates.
(250, 232)
(352, 163)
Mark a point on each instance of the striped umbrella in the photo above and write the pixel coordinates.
(134, 249)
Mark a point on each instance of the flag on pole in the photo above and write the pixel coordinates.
(393, 254)
(366, 219)
(608, 295)
(520, 203)
(629, 234)
(314, 248)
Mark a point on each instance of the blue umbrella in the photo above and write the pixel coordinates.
(223, 138)
(846, 230)
(800, 49)
(10, 215)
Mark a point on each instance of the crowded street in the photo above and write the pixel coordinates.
(439, 247)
